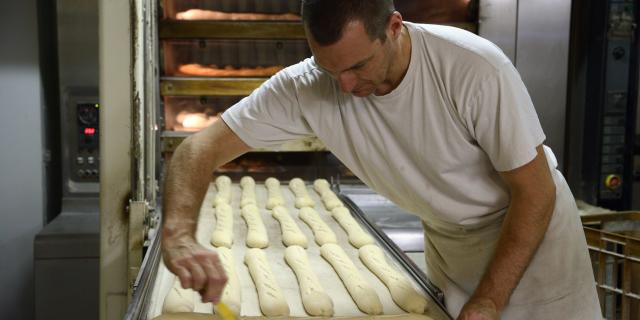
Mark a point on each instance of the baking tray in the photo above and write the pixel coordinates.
(156, 289)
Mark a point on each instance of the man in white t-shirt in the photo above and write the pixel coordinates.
(437, 120)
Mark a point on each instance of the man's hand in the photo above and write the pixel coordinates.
(479, 309)
(197, 267)
(188, 178)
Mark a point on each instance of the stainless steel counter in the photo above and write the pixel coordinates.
(400, 226)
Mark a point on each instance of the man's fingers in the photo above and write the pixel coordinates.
(216, 277)
(184, 275)
(198, 269)
(198, 276)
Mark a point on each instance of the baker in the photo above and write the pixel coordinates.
(437, 120)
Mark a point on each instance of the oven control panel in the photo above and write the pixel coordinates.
(85, 157)
(80, 126)
(618, 107)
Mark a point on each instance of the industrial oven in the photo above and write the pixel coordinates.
(168, 69)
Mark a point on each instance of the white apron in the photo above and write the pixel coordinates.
(558, 284)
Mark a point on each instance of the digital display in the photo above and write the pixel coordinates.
(89, 131)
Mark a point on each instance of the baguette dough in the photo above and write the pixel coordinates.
(201, 316)
(223, 233)
(321, 230)
(248, 191)
(291, 234)
(314, 299)
(223, 185)
(331, 201)
(275, 194)
(402, 292)
(298, 188)
(178, 299)
(231, 295)
(329, 198)
(321, 185)
(363, 295)
(272, 301)
(256, 232)
(357, 236)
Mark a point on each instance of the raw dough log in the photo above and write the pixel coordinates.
(363, 295)
(331, 201)
(201, 316)
(200, 14)
(231, 295)
(178, 299)
(357, 236)
(314, 299)
(272, 302)
(223, 185)
(223, 233)
(321, 230)
(329, 198)
(274, 193)
(298, 188)
(402, 292)
(291, 234)
(321, 185)
(257, 233)
(248, 191)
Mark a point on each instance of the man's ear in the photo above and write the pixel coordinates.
(394, 27)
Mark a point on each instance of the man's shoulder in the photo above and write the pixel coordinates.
(458, 44)
(305, 69)
(305, 78)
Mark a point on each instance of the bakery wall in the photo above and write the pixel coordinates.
(21, 156)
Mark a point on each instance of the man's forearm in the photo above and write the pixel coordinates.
(186, 184)
(523, 230)
(189, 174)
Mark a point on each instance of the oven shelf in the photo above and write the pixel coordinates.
(171, 140)
(191, 86)
(170, 29)
(230, 30)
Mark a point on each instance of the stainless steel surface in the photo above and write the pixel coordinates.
(542, 58)
(115, 141)
(535, 36)
(400, 226)
(498, 23)
(342, 301)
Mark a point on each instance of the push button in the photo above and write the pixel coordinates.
(613, 181)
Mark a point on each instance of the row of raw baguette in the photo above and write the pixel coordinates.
(315, 300)
(291, 234)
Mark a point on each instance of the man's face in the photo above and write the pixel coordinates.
(357, 63)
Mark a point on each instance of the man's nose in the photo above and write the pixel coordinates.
(347, 81)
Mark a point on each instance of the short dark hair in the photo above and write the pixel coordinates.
(325, 19)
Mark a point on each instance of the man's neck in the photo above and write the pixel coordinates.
(398, 70)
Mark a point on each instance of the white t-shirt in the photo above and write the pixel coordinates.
(434, 145)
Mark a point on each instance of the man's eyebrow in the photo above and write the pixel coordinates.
(361, 62)
(357, 64)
